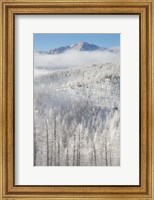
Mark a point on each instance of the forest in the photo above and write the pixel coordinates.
(77, 115)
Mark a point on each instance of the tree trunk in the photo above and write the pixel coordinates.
(106, 154)
(47, 143)
(59, 152)
(35, 145)
(55, 142)
(95, 156)
(91, 158)
(74, 150)
(78, 151)
(51, 151)
(110, 156)
(67, 157)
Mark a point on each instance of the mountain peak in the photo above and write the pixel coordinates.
(80, 46)
(85, 46)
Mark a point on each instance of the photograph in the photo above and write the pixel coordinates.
(76, 99)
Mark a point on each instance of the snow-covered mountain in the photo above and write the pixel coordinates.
(81, 46)
(85, 46)
(59, 50)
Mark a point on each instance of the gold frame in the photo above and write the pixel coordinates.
(8, 9)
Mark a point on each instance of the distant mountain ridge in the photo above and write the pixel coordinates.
(81, 46)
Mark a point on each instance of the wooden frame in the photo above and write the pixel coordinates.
(10, 8)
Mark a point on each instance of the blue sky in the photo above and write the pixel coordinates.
(45, 41)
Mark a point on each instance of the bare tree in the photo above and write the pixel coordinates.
(78, 150)
(106, 150)
(47, 141)
(35, 145)
(55, 140)
(74, 148)
(94, 153)
(67, 156)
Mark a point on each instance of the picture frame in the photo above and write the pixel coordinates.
(11, 8)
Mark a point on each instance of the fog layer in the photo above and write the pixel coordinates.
(74, 58)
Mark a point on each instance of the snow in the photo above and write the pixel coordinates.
(77, 109)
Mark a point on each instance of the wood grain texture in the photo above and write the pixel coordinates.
(9, 8)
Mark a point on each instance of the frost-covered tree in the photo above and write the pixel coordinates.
(77, 116)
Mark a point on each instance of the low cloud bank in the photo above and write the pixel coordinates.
(74, 58)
